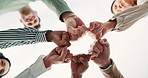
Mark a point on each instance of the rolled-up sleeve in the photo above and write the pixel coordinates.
(35, 70)
(57, 6)
(21, 36)
(128, 17)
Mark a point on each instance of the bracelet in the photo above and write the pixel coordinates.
(104, 69)
(69, 16)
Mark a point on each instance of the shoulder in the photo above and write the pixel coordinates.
(141, 1)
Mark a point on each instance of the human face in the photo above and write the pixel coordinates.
(4, 66)
(120, 5)
(31, 20)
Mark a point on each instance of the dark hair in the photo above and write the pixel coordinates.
(3, 57)
(112, 6)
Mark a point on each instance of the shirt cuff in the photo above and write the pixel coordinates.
(119, 23)
(39, 67)
(41, 37)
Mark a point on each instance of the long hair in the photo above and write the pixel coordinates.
(112, 6)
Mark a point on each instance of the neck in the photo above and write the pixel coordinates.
(25, 11)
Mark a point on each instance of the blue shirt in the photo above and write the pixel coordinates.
(57, 6)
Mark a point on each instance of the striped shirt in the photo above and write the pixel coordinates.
(21, 36)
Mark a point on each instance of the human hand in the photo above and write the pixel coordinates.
(79, 65)
(74, 24)
(100, 53)
(57, 55)
(99, 29)
(74, 37)
(61, 38)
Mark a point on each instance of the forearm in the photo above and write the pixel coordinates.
(110, 25)
(21, 36)
(111, 71)
(76, 76)
(57, 6)
(106, 64)
(35, 70)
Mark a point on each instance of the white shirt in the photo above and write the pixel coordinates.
(141, 2)
(128, 17)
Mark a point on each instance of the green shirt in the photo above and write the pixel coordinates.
(58, 6)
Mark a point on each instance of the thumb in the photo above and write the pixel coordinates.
(105, 42)
(81, 29)
(84, 62)
(63, 53)
(64, 42)
(72, 30)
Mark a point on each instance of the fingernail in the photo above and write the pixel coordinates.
(105, 40)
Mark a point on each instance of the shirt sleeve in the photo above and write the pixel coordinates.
(57, 6)
(35, 70)
(128, 17)
(111, 72)
(21, 36)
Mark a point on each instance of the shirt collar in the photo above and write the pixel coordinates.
(141, 1)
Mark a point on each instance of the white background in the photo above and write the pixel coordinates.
(129, 49)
